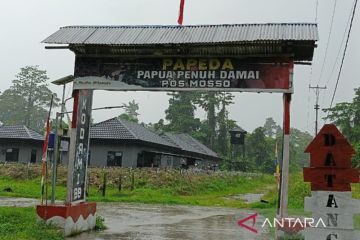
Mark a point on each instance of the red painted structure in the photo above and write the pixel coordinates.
(65, 211)
(330, 162)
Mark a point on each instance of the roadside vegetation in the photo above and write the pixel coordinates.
(164, 186)
(206, 188)
(21, 224)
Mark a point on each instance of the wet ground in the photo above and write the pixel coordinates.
(160, 222)
(18, 202)
(140, 221)
(247, 198)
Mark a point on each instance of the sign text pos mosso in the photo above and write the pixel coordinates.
(81, 148)
(184, 74)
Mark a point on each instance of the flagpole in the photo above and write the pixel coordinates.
(181, 12)
(44, 152)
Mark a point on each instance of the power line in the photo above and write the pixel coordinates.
(328, 42)
(338, 55)
(308, 101)
(344, 54)
(317, 106)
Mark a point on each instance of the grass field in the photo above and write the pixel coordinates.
(205, 190)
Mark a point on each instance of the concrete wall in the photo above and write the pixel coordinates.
(98, 154)
(130, 152)
(24, 151)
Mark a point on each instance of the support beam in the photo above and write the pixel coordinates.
(283, 211)
(72, 146)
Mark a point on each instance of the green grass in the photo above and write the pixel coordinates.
(211, 191)
(21, 224)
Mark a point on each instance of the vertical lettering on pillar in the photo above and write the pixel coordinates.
(332, 236)
(329, 140)
(329, 178)
(329, 160)
(331, 202)
(332, 220)
(81, 145)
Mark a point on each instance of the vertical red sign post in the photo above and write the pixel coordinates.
(330, 175)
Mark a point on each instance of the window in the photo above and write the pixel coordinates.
(89, 157)
(33, 156)
(114, 159)
(12, 155)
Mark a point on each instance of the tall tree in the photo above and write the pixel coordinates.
(346, 116)
(260, 151)
(270, 127)
(299, 140)
(210, 101)
(181, 113)
(224, 123)
(131, 112)
(27, 100)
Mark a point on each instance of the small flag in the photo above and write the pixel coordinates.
(44, 152)
(181, 12)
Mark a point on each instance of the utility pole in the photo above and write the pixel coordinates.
(317, 106)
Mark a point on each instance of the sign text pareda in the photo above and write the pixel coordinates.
(178, 74)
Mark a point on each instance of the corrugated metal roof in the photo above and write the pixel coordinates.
(19, 132)
(193, 34)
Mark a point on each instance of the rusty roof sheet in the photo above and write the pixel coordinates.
(192, 34)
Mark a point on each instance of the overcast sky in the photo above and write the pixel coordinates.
(25, 23)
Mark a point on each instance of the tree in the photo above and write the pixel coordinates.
(299, 140)
(181, 113)
(270, 127)
(224, 123)
(131, 112)
(210, 101)
(346, 116)
(28, 99)
(259, 151)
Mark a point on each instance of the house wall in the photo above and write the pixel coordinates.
(24, 151)
(130, 152)
(98, 154)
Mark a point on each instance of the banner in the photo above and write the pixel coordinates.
(178, 74)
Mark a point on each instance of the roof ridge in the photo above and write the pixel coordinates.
(127, 128)
(186, 26)
(108, 120)
(27, 131)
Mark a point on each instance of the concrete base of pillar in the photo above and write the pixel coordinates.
(74, 218)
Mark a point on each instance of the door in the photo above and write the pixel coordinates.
(33, 156)
(114, 159)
